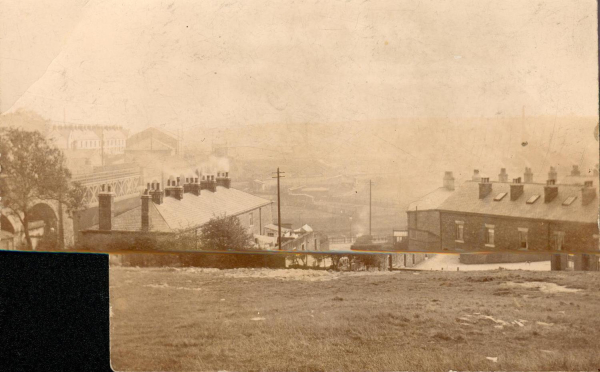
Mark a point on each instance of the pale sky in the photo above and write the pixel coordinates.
(206, 63)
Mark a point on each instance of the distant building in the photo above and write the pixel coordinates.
(111, 139)
(152, 140)
(301, 239)
(502, 216)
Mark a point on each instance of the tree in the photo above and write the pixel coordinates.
(32, 170)
(65, 193)
(224, 233)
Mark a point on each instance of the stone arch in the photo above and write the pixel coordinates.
(43, 225)
(46, 212)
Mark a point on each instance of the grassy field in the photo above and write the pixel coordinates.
(302, 320)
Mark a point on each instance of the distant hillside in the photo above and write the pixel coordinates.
(26, 120)
(414, 153)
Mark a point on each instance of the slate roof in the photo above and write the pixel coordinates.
(191, 211)
(466, 199)
(431, 201)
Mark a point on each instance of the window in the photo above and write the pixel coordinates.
(568, 201)
(459, 233)
(559, 240)
(251, 219)
(302, 246)
(489, 235)
(413, 234)
(533, 199)
(523, 241)
(500, 196)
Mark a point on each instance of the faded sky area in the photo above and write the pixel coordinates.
(197, 64)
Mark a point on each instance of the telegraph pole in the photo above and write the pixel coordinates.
(278, 208)
(369, 207)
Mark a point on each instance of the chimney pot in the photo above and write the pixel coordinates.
(503, 177)
(528, 176)
(157, 195)
(449, 180)
(552, 175)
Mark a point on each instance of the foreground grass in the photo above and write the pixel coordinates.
(169, 320)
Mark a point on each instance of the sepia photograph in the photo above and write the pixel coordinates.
(372, 185)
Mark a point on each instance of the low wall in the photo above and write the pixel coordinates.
(503, 257)
(205, 260)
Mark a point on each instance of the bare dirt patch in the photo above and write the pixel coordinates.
(545, 287)
(284, 274)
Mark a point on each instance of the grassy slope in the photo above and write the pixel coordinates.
(401, 321)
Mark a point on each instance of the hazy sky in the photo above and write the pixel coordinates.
(206, 63)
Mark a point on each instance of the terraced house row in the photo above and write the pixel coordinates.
(501, 216)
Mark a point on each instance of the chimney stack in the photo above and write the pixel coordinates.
(528, 176)
(146, 210)
(476, 176)
(588, 193)
(550, 191)
(173, 189)
(223, 179)
(192, 186)
(503, 176)
(485, 187)
(449, 181)
(516, 189)
(106, 206)
(575, 171)
(157, 194)
(208, 183)
(552, 175)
